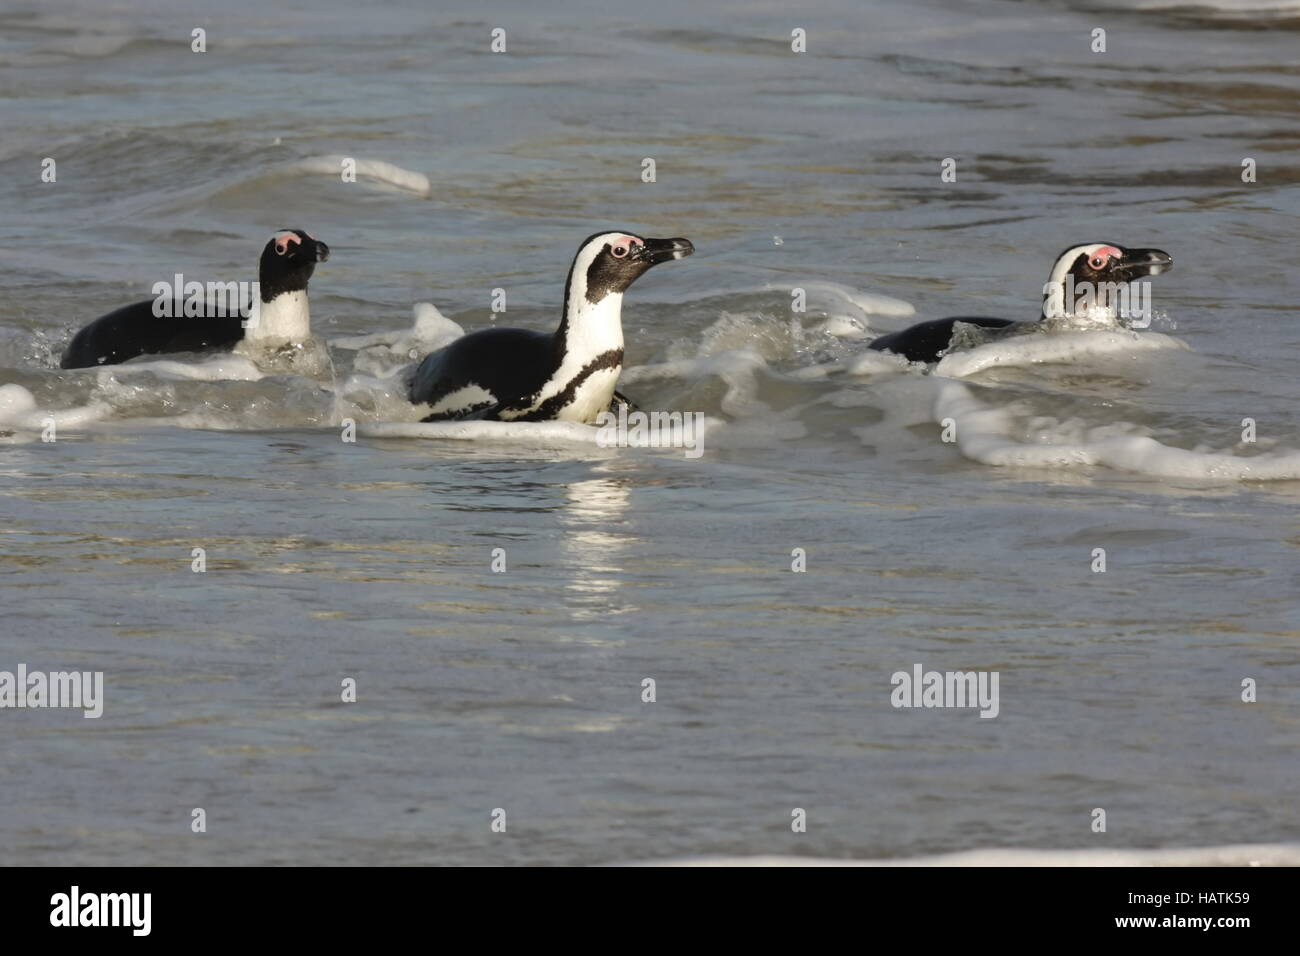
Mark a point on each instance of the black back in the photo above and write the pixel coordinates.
(512, 364)
(923, 342)
(134, 330)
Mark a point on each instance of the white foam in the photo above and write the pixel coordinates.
(430, 330)
(19, 411)
(863, 303)
(1243, 854)
(872, 362)
(985, 434)
(1052, 348)
(742, 331)
(375, 170)
(843, 327)
(378, 386)
(15, 402)
(234, 368)
(378, 397)
(531, 432)
(382, 354)
(1222, 6)
(737, 368)
(309, 358)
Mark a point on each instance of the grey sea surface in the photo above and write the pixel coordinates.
(522, 691)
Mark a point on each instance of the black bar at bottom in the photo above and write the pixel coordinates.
(332, 905)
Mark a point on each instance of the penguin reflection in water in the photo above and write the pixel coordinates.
(566, 375)
(273, 329)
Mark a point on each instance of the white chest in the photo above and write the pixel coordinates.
(594, 330)
(284, 319)
(591, 397)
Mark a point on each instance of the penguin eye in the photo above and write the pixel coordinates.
(281, 247)
(619, 251)
(1098, 262)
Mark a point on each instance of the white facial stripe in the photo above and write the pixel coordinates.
(1070, 257)
(583, 260)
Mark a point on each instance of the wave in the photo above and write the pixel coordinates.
(382, 352)
(374, 170)
(1222, 6)
(837, 297)
(1053, 348)
(1241, 854)
(985, 434)
(225, 368)
(22, 420)
(759, 375)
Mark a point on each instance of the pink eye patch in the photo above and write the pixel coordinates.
(621, 246)
(1103, 255)
(282, 242)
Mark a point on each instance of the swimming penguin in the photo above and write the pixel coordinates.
(1085, 286)
(565, 375)
(276, 316)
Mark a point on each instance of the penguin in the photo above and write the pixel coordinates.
(1097, 269)
(277, 316)
(565, 375)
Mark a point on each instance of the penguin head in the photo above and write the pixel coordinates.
(609, 262)
(288, 262)
(1101, 266)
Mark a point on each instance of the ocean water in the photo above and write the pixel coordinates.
(522, 691)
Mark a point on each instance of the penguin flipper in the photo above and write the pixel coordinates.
(488, 412)
(928, 341)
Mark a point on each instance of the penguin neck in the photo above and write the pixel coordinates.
(588, 330)
(285, 318)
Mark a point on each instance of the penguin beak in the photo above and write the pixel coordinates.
(322, 251)
(655, 251)
(1145, 262)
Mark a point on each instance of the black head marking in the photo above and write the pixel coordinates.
(1111, 262)
(616, 266)
(288, 262)
(620, 258)
(1099, 263)
(613, 261)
